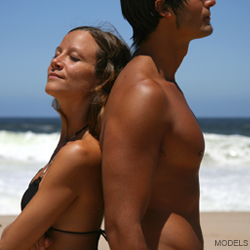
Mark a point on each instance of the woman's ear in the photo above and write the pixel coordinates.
(162, 8)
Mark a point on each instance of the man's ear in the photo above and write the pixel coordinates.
(162, 8)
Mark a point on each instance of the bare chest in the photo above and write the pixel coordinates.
(183, 143)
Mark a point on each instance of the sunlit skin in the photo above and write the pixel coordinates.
(71, 72)
(195, 18)
(152, 145)
(70, 193)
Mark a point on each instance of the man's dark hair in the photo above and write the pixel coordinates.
(143, 17)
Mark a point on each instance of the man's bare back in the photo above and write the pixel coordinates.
(171, 219)
(151, 143)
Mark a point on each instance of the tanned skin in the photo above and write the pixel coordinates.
(152, 145)
(70, 193)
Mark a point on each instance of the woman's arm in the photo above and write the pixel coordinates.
(5, 230)
(41, 244)
(58, 189)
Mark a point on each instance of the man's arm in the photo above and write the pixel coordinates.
(131, 138)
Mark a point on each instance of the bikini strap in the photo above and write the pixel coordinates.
(49, 164)
(102, 232)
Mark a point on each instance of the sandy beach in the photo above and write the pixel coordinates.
(221, 230)
(226, 230)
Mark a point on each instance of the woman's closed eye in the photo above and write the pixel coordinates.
(74, 58)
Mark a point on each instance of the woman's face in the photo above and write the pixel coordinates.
(72, 70)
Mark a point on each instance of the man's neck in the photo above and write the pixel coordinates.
(166, 50)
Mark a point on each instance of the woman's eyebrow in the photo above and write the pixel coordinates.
(58, 48)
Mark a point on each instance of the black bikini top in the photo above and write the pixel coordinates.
(30, 193)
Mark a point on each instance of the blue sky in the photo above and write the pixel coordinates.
(214, 76)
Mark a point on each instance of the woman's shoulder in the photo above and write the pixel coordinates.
(81, 152)
(76, 165)
(87, 145)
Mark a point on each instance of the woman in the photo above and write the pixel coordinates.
(64, 200)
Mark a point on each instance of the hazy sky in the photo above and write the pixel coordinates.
(214, 76)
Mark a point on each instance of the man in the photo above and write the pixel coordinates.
(151, 142)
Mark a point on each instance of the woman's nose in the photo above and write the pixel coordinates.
(56, 63)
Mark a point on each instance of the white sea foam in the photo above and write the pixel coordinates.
(27, 146)
(225, 150)
(225, 189)
(221, 150)
(224, 175)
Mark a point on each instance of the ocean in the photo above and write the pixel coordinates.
(26, 145)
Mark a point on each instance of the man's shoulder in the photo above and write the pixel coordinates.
(138, 94)
(139, 77)
(138, 90)
(140, 67)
